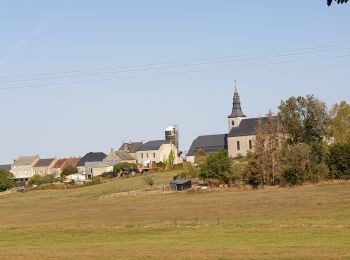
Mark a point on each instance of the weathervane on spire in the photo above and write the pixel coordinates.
(235, 85)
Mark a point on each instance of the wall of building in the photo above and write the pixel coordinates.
(243, 142)
(156, 155)
(23, 171)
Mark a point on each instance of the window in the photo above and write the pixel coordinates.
(238, 146)
(141, 155)
(147, 155)
(154, 155)
(250, 144)
(233, 123)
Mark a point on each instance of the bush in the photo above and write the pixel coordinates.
(319, 172)
(292, 176)
(149, 180)
(41, 180)
(6, 180)
(216, 166)
(125, 166)
(189, 170)
(68, 170)
(109, 175)
(339, 160)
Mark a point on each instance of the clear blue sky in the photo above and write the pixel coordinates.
(63, 116)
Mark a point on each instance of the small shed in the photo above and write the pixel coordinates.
(180, 185)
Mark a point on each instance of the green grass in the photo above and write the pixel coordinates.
(308, 222)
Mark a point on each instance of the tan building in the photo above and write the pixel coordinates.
(119, 156)
(62, 163)
(22, 168)
(155, 151)
(44, 166)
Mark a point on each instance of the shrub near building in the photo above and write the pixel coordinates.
(6, 180)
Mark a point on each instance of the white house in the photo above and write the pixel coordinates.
(155, 151)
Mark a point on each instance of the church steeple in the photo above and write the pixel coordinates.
(236, 105)
(236, 115)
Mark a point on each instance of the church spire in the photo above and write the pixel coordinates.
(236, 105)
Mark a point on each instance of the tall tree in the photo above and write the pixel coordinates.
(263, 162)
(304, 119)
(340, 122)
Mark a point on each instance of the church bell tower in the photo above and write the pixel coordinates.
(236, 115)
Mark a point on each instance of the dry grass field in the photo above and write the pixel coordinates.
(308, 222)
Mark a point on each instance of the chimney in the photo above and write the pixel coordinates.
(112, 150)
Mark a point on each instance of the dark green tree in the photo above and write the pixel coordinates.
(68, 170)
(339, 160)
(124, 166)
(216, 166)
(304, 119)
(6, 180)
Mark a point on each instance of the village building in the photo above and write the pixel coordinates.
(130, 147)
(63, 163)
(22, 168)
(90, 157)
(44, 166)
(120, 156)
(155, 151)
(239, 139)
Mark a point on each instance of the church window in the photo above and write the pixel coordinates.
(233, 123)
(238, 146)
(250, 144)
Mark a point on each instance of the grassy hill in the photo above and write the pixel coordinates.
(304, 222)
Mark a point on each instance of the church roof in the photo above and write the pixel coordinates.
(247, 126)
(208, 143)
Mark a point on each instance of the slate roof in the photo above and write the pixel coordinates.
(124, 155)
(24, 160)
(130, 147)
(44, 162)
(208, 143)
(248, 126)
(152, 145)
(236, 106)
(6, 167)
(91, 157)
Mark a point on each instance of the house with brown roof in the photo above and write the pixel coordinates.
(44, 166)
(22, 167)
(63, 163)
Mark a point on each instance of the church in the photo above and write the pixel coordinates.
(239, 139)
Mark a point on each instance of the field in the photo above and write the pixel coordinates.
(308, 222)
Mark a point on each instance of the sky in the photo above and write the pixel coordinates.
(81, 76)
